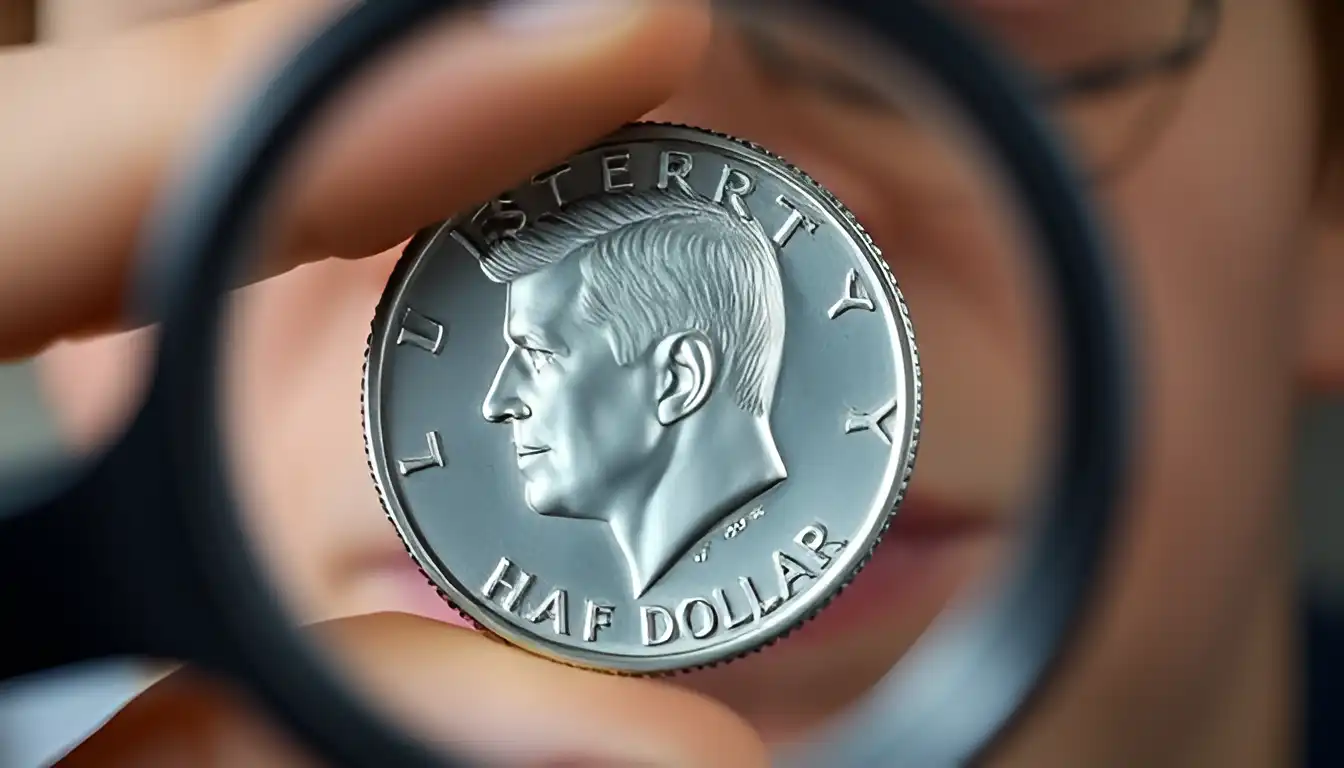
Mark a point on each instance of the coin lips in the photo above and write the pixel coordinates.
(796, 431)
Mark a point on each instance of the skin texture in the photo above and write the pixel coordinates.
(1231, 253)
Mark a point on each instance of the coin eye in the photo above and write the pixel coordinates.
(538, 358)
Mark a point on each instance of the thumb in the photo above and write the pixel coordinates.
(463, 111)
(449, 687)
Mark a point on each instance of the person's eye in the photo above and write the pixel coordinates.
(1060, 37)
(1056, 39)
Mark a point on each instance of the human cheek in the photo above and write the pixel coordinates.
(1211, 221)
(584, 413)
(1215, 225)
(548, 395)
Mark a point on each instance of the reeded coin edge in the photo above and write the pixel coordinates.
(429, 234)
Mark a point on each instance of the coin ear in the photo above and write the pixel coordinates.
(688, 369)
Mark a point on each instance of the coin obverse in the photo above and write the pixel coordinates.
(649, 411)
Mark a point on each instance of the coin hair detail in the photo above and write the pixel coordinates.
(660, 262)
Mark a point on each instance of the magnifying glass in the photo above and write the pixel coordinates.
(654, 407)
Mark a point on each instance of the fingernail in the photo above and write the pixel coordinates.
(549, 16)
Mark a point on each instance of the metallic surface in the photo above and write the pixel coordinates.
(648, 412)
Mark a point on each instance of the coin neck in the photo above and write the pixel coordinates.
(715, 464)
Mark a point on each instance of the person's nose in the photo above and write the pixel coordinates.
(502, 402)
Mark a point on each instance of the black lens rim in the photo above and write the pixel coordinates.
(1002, 656)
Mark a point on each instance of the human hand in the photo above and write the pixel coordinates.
(77, 189)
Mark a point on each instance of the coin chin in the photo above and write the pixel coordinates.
(530, 494)
(787, 441)
(538, 499)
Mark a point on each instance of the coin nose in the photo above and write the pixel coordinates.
(502, 402)
(498, 410)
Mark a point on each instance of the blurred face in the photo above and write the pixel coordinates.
(1207, 178)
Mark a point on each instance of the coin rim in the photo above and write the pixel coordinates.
(727, 651)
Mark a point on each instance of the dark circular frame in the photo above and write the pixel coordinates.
(141, 550)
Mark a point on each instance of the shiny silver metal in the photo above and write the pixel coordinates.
(648, 412)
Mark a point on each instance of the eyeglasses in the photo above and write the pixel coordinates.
(1104, 77)
(1108, 141)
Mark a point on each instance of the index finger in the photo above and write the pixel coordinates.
(479, 108)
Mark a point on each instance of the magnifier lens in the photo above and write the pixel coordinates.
(640, 399)
(613, 333)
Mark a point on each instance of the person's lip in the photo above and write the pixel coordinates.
(912, 560)
(531, 450)
(920, 561)
(923, 519)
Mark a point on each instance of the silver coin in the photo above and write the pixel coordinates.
(650, 410)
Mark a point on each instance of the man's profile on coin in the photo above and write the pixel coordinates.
(645, 335)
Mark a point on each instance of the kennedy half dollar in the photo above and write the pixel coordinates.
(651, 410)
